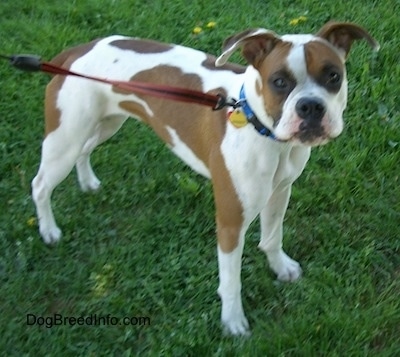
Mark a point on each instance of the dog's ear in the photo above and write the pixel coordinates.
(255, 44)
(343, 34)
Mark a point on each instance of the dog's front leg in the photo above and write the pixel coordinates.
(272, 216)
(230, 263)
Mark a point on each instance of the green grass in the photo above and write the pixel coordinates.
(145, 244)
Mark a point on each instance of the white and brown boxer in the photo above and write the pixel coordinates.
(292, 93)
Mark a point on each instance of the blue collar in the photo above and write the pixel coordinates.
(252, 118)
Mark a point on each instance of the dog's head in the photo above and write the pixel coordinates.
(296, 84)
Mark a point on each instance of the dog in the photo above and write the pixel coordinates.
(292, 93)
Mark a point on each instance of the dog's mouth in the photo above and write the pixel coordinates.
(308, 135)
(306, 140)
(310, 132)
(312, 137)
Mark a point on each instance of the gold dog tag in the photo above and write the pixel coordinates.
(237, 118)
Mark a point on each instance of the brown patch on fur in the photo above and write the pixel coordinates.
(140, 112)
(65, 60)
(201, 129)
(137, 108)
(51, 112)
(321, 61)
(189, 120)
(274, 64)
(141, 46)
(258, 47)
(229, 210)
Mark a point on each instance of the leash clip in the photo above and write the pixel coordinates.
(238, 103)
(226, 102)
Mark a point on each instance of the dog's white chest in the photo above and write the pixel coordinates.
(258, 166)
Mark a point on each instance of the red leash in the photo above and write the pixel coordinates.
(216, 102)
(33, 64)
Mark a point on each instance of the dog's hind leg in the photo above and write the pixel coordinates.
(59, 154)
(106, 128)
(67, 129)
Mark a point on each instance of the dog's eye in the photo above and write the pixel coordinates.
(333, 78)
(280, 83)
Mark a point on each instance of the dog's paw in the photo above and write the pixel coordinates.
(236, 325)
(285, 267)
(51, 235)
(91, 184)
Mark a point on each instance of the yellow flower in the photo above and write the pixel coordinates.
(297, 20)
(31, 222)
(211, 25)
(197, 30)
(102, 282)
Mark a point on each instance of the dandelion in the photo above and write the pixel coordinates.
(100, 284)
(31, 222)
(197, 30)
(211, 25)
(297, 20)
(102, 281)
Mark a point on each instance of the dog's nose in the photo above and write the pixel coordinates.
(310, 109)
